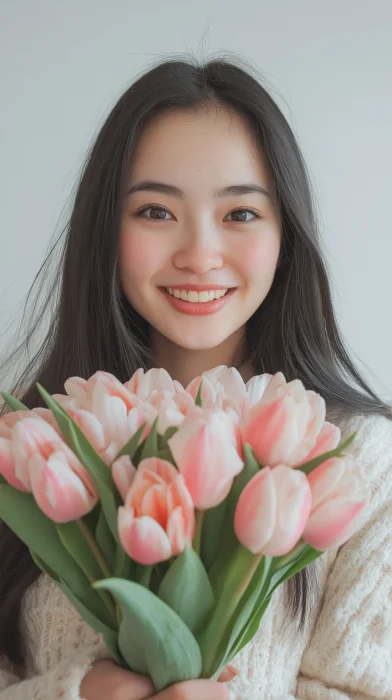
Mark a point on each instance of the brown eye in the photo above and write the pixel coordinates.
(240, 215)
(157, 213)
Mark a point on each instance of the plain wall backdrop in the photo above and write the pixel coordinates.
(328, 65)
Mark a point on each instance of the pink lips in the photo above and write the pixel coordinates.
(198, 308)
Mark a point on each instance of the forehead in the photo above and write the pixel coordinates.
(214, 144)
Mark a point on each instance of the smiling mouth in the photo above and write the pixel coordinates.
(195, 297)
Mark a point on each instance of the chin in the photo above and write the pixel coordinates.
(199, 342)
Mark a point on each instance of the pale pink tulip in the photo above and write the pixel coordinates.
(157, 520)
(143, 384)
(337, 503)
(205, 453)
(61, 486)
(123, 473)
(256, 387)
(283, 427)
(29, 437)
(272, 511)
(327, 440)
(8, 420)
(7, 465)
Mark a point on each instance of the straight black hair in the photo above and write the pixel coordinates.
(93, 326)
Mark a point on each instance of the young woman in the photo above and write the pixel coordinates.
(196, 183)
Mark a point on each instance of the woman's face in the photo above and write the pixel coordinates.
(190, 229)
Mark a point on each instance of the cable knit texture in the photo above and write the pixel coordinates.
(345, 650)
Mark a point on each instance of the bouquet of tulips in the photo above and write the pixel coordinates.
(168, 516)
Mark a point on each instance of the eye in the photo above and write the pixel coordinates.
(242, 218)
(158, 213)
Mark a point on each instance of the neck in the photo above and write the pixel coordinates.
(184, 364)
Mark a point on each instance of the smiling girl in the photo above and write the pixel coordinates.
(193, 243)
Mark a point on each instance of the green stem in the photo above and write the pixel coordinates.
(104, 595)
(228, 602)
(198, 529)
(94, 548)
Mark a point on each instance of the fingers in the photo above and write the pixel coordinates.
(195, 690)
(228, 674)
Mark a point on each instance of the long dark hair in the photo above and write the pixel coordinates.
(93, 327)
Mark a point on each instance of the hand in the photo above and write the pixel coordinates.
(106, 681)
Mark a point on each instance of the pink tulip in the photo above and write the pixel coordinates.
(220, 385)
(143, 384)
(205, 453)
(272, 511)
(123, 473)
(327, 440)
(61, 486)
(31, 436)
(7, 465)
(337, 504)
(157, 520)
(283, 427)
(256, 387)
(8, 420)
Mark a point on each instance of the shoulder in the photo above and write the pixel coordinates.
(372, 446)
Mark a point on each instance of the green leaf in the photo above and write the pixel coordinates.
(215, 519)
(232, 586)
(13, 403)
(153, 639)
(198, 399)
(306, 555)
(187, 589)
(44, 567)
(124, 566)
(72, 539)
(22, 515)
(166, 455)
(105, 541)
(98, 470)
(282, 568)
(110, 635)
(228, 540)
(131, 446)
(169, 432)
(150, 446)
(308, 467)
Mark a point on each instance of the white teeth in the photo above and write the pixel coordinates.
(197, 297)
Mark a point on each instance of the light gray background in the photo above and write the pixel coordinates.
(329, 65)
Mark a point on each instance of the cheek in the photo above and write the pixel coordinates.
(139, 258)
(257, 260)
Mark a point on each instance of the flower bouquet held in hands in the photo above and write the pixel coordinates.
(168, 516)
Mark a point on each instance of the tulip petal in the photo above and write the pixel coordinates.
(123, 473)
(255, 514)
(7, 465)
(334, 523)
(143, 539)
(294, 500)
(58, 491)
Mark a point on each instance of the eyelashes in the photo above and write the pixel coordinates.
(162, 210)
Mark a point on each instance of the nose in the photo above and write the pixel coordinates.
(200, 251)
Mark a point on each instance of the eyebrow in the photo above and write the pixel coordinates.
(152, 186)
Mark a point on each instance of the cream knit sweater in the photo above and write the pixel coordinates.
(344, 652)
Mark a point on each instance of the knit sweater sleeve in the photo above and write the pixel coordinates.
(62, 681)
(60, 648)
(349, 655)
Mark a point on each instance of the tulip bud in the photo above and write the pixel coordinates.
(337, 504)
(61, 486)
(205, 453)
(272, 511)
(157, 520)
(283, 426)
